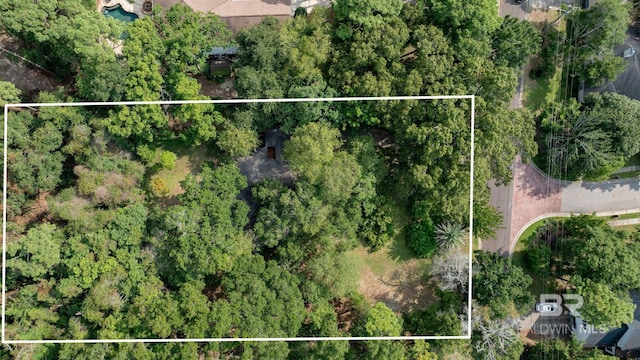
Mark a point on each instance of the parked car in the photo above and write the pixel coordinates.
(546, 307)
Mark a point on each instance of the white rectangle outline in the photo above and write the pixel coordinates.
(233, 101)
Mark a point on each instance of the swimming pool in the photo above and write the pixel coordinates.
(117, 12)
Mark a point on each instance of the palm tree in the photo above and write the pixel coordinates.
(449, 235)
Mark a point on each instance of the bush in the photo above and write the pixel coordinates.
(168, 160)
(421, 238)
(146, 153)
(158, 187)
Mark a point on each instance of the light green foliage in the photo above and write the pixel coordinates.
(202, 118)
(583, 148)
(34, 320)
(153, 312)
(310, 150)
(194, 309)
(204, 234)
(602, 306)
(168, 160)
(36, 254)
(357, 14)
(9, 93)
(34, 162)
(449, 236)
(420, 351)
(593, 250)
(465, 20)
(381, 321)
(237, 141)
(562, 350)
(64, 33)
(620, 117)
(188, 36)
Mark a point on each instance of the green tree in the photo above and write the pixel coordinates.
(593, 250)
(514, 42)
(381, 321)
(498, 283)
(495, 339)
(36, 254)
(9, 93)
(264, 298)
(583, 149)
(311, 148)
(34, 160)
(421, 238)
(188, 36)
(168, 160)
(237, 141)
(204, 234)
(602, 306)
(592, 33)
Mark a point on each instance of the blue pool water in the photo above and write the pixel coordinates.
(118, 13)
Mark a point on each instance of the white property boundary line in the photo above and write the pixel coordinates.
(233, 101)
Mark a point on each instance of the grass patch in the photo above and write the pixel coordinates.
(624, 216)
(539, 93)
(629, 228)
(626, 175)
(395, 252)
(521, 242)
(189, 161)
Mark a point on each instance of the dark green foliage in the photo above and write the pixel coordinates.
(539, 259)
(591, 141)
(498, 283)
(421, 238)
(553, 46)
(514, 42)
(265, 299)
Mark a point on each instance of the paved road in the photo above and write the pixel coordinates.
(502, 196)
(532, 195)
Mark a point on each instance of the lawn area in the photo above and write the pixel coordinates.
(626, 175)
(393, 275)
(189, 160)
(540, 92)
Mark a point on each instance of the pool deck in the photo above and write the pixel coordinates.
(134, 8)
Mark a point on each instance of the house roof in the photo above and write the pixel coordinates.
(635, 298)
(631, 338)
(233, 50)
(233, 8)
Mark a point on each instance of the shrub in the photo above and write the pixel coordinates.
(168, 160)
(158, 187)
(421, 238)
